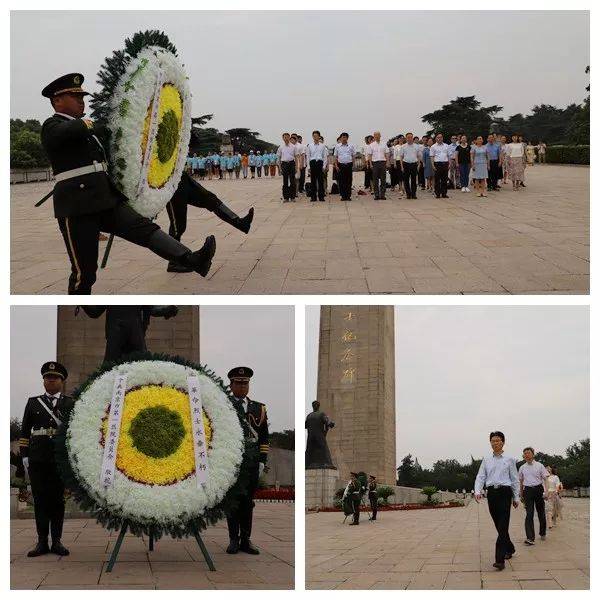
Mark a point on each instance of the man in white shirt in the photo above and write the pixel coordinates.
(286, 157)
(398, 176)
(377, 158)
(498, 473)
(533, 478)
(344, 159)
(440, 154)
(317, 156)
(301, 163)
(410, 156)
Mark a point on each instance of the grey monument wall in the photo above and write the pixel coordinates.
(356, 388)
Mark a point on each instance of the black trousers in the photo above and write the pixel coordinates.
(379, 177)
(441, 179)
(499, 504)
(302, 179)
(533, 498)
(421, 176)
(316, 178)
(48, 499)
(288, 171)
(80, 234)
(368, 177)
(410, 178)
(189, 193)
(373, 503)
(124, 337)
(493, 175)
(345, 180)
(239, 522)
(355, 508)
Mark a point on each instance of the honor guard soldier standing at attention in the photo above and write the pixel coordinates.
(239, 523)
(87, 201)
(42, 417)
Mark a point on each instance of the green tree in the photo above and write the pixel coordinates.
(464, 114)
(283, 439)
(26, 149)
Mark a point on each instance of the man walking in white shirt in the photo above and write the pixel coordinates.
(377, 158)
(344, 159)
(498, 474)
(410, 156)
(301, 163)
(286, 157)
(533, 478)
(316, 156)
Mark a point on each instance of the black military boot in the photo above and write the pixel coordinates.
(248, 547)
(226, 214)
(168, 247)
(40, 549)
(58, 548)
(234, 546)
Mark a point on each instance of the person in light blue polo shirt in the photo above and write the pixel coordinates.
(223, 166)
(237, 157)
(258, 161)
(252, 163)
(201, 161)
(230, 165)
(493, 148)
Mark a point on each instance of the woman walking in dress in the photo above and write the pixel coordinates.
(515, 157)
(481, 165)
(554, 502)
(530, 152)
(427, 168)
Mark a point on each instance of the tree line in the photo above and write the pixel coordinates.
(449, 474)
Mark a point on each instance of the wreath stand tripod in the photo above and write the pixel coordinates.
(115, 553)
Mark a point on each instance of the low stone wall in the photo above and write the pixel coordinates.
(30, 175)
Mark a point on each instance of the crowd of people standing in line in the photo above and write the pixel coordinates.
(428, 163)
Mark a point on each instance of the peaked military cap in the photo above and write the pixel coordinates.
(70, 83)
(240, 374)
(54, 368)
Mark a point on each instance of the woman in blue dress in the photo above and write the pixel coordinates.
(427, 166)
(481, 164)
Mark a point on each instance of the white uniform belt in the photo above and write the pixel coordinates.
(95, 167)
(36, 432)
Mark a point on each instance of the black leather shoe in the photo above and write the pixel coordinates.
(58, 548)
(508, 556)
(178, 268)
(233, 547)
(248, 547)
(353, 523)
(499, 566)
(201, 260)
(244, 223)
(40, 549)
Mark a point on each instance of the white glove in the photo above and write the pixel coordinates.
(26, 462)
(261, 469)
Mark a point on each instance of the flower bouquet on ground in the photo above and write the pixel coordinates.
(156, 443)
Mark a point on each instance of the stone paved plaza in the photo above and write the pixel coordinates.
(535, 241)
(174, 564)
(444, 549)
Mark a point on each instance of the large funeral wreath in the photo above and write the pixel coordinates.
(145, 105)
(155, 488)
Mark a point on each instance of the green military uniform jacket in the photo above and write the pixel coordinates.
(71, 144)
(257, 420)
(40, 448)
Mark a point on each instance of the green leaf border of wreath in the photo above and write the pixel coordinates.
(109, 517)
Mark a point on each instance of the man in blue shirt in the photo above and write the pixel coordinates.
(498, 474)
(258, 161)
(493, 150)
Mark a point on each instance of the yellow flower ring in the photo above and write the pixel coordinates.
(149, 118)
(156, 460)
(155, 483)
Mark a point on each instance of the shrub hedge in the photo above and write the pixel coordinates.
(568, 155)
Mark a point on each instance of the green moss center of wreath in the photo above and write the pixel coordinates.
(167, 136)
(157, 431)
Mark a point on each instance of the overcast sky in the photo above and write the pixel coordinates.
(261, 337)
(333, 71)
(462, 372)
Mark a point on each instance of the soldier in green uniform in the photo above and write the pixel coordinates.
(87, 201)
(354, 492)
(239, 522)
(372, 487)
(42, 417)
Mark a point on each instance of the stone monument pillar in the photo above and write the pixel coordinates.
(356, 388)
(80, 340)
